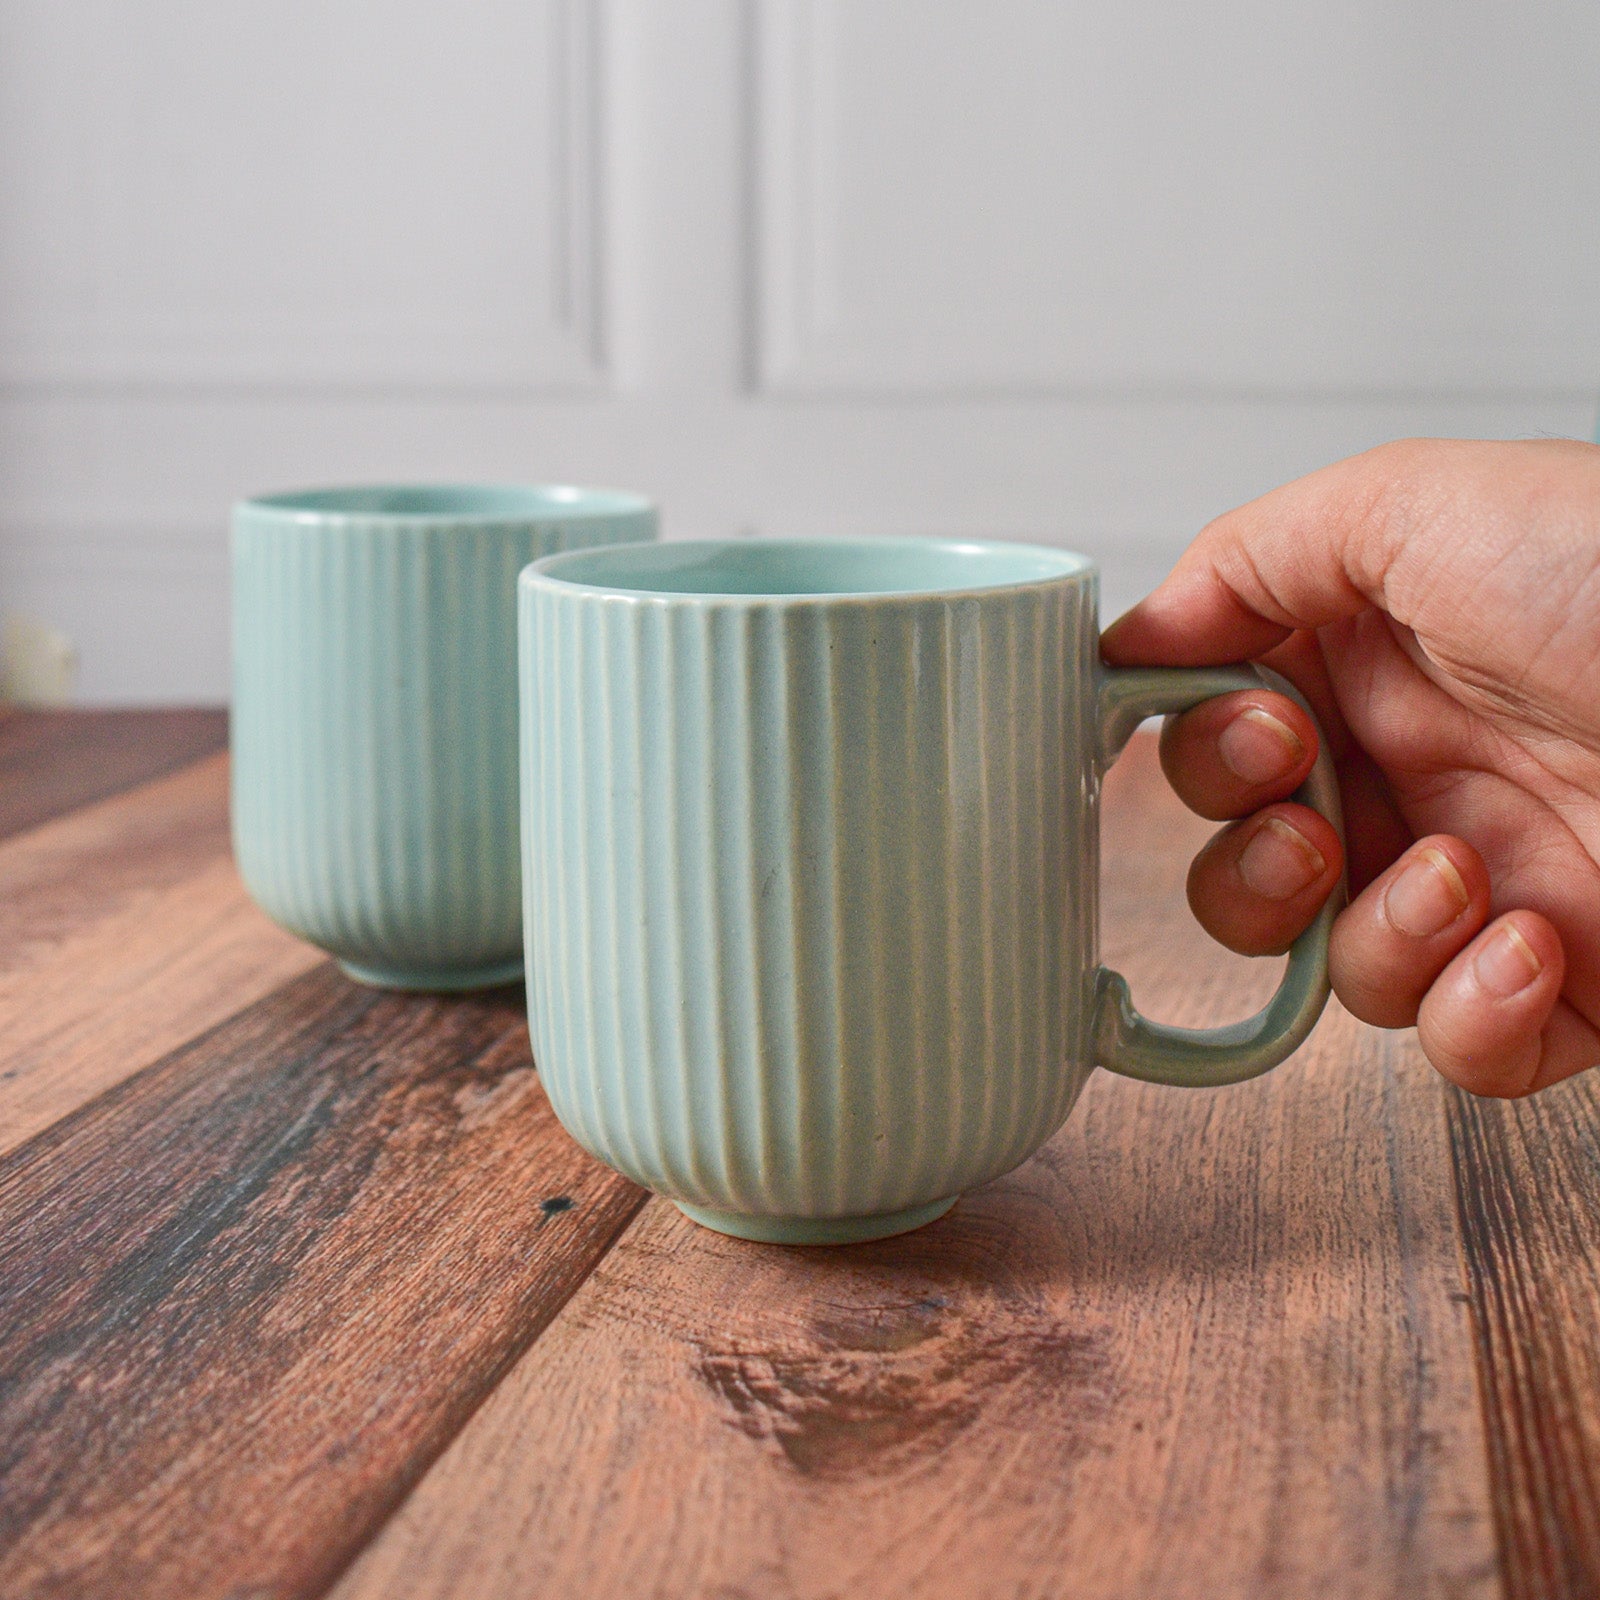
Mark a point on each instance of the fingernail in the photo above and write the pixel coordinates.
(1506, 964)
(1279, 862)
(1427, 896)
(1257, 747)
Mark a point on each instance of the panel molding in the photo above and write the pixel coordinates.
(792, 121)
(572, 358)
(800, 343)
(780, 195)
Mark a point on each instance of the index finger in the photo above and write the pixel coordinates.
(1311, 553)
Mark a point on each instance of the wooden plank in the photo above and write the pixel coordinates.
(1205, 1344)
(247, 1296)
(1528, 1185)
(54, 761)
(125, 932)
(95, 862)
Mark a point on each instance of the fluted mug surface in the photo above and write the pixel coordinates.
(374, 726)
(810, 871)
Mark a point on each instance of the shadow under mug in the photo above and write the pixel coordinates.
(810, 871)
(374, 723)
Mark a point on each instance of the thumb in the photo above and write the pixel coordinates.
(1305, 555)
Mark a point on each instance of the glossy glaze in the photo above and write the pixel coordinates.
(374, 716)
(810, 870)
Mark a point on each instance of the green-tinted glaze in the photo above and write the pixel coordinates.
(1206, 1058)
(817, 1230)
(810, 852)
(374, 716)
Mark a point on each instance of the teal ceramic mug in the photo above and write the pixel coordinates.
(810, 871)
(374, 715)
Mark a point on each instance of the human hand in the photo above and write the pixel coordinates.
(1438, 602)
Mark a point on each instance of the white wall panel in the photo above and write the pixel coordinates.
(1129, 481)
(1074, 271)
(146, 603)
(311, 193)
(1026, 196)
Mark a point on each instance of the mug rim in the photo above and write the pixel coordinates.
(547, 573)
(499, 504)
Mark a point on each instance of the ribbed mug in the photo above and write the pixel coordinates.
(810, 871)
(374, 723)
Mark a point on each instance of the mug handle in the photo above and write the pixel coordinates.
(1204, 1058)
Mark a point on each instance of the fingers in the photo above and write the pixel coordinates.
(1377, 530)
(1494, 1021)
(1308, 554)
(1414, 947)
(1257, 885)
(1229, 756)
(1395, 938)
(1376, 831)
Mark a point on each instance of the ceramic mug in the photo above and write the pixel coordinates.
(374, 715)
(810, 871)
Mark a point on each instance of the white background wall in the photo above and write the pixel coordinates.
(1056, 269)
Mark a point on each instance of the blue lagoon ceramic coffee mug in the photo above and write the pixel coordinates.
(374, 715)
(810, 871)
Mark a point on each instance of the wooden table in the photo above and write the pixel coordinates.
(303, 1290)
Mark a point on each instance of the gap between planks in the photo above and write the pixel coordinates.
(126, 933)
(1528, 1187)
(160, 1248)
(1535, 1342)
(251, 1293)
(52, 762)
(1205, 1344)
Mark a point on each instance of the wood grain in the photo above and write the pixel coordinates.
(54, 761)
(1528, 1181)
(247, 1297)
(125, 932)
(1205, 1344)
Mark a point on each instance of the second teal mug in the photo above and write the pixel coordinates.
(810, 847)
(375, 715)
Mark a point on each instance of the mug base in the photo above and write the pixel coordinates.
(816, 1230)
(435, 980)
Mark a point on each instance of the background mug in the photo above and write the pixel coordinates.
(810, 871)
(374, 716)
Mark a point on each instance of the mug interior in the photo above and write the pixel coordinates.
(812, 567)
(454, 502)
